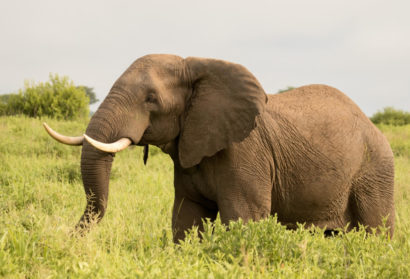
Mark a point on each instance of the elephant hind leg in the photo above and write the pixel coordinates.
(371, 200)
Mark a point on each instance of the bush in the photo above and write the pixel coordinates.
(3, 108)
(286, 89)
(391, 116)
(89, 91)
(57, 98)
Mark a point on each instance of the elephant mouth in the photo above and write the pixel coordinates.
(146, 135)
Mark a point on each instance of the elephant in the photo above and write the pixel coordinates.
(309, 155)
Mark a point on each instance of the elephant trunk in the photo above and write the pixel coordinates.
(96, 165)
(95, 169)
(113, 120)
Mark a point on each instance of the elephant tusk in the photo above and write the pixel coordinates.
(114, 147)
(63, 139)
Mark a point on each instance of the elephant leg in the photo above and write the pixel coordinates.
(245, 199)
(231, 210)
(186, 214)
(371, 200)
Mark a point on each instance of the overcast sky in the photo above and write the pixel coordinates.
(359, 47)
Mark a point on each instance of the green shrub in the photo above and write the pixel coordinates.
(57, 98)
(3, 108)
(89, 91)
(289, 88)
(391, 116)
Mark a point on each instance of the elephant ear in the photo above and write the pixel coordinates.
(225, 101)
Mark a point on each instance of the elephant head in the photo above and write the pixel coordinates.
(196, 106)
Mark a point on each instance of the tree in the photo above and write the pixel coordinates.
(4, 98)
(285, 90)
(89, 91)
(391, 116)
(57, 98)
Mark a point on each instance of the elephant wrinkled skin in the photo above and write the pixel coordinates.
(308, 155)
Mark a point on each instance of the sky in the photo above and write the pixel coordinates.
(361, 47)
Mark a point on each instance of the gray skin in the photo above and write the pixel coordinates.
(308, 155)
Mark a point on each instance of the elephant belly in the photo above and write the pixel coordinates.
(323, 203)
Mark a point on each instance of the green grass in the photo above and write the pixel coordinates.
(42, 198)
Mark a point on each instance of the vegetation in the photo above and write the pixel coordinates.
(391, 116)
(42, 197)
(57, 98)
(89, 91)
(286, 89)
(4, 98)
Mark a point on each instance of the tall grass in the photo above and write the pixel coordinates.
(41, 199)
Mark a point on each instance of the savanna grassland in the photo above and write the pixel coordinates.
(42, 198)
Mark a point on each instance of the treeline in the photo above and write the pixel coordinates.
(391, 116)
(57, 98)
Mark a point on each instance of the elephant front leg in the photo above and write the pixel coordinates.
(233, 210)
(246, 200)
(186, 214)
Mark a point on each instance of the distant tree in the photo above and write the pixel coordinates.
(391, 116)
(89, 91)
(4, 98)
(287, 89)
(3, 103)
(57, 98)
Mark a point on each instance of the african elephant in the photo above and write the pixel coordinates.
(309, 155)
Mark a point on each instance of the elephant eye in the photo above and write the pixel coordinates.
(151, 98)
